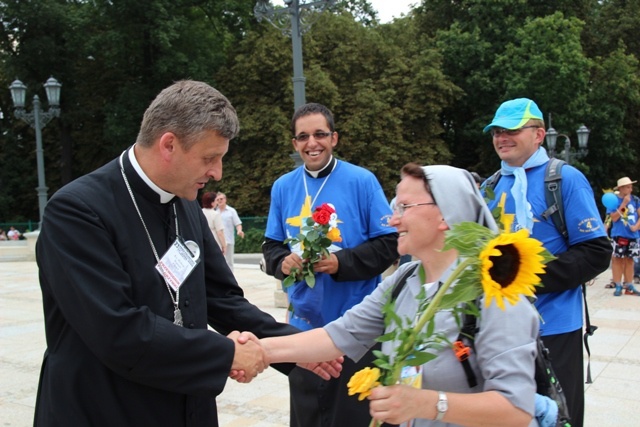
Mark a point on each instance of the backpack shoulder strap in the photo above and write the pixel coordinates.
(462, 351)
(492, 180)
(553, 195)
(403, 281)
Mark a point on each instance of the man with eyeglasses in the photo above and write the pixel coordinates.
(518, 132)
(351, 272)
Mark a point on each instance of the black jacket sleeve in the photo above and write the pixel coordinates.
(274, 252)
(360, 263)
(579, 264)
(367, 259)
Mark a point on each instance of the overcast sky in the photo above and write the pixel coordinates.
(388, 9)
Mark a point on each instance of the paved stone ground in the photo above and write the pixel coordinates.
(611, 399)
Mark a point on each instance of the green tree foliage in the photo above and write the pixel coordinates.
(560, 53)
(112, 57)
(420, 88)
(385, 90)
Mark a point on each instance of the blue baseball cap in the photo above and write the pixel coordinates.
(514, 114)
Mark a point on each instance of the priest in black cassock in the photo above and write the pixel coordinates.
(131, 276)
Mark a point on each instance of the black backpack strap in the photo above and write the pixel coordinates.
(553, 195)
(590, 329)
(492, 181)
(555, 210)
(463, 351)
(403, 281)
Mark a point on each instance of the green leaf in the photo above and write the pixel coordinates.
(420, 358)
(383, 364)
(288, 281)
(389, 336)
(393, 317)
(311, 280)
(468, 238)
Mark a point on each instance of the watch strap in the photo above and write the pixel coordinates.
(441, 406)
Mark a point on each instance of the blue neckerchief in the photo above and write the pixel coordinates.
(524, 216)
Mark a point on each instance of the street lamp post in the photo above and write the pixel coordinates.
(37, 119)
(298, 25)
(569, 154)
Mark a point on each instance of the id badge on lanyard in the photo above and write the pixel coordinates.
(411, 376)
(179, 262)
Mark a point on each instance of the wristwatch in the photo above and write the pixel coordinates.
(441, 406)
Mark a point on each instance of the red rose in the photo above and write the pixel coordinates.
(321, 216)
(326, 207)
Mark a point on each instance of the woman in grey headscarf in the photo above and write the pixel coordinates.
(430, 200)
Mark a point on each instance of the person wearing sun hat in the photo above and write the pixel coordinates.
(624, 235)
(518, 131)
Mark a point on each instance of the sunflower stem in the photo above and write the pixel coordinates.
(426, 316)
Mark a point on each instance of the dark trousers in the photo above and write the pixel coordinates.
(319, 403)
(566, 358)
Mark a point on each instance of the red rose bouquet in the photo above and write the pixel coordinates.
(316, 235)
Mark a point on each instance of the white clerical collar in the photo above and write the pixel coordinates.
(164, 196)
(317, 173)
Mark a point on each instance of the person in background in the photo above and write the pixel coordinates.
(624, 235)
(518, 131)
(477, 178)
(505, 344)
(127, 313)
(347, 275)
(3, 235)
(214, 219)
(13, 233)
(232, 224)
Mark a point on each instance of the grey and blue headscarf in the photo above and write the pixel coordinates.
(457, 196)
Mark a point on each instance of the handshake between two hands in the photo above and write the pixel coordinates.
(252, 356)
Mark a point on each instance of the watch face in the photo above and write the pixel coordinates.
(442, 406)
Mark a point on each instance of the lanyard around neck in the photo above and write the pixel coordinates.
(153, 247)
(306, 189)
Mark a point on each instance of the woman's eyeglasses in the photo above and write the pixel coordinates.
(401, 207)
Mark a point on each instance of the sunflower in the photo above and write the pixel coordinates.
(510, 265)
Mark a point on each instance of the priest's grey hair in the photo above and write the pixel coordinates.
(188, 109)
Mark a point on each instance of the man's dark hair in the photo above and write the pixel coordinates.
(312, 108)
(477, 177)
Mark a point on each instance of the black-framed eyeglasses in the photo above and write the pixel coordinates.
(401, 207)
(318, 136)
(511, 132)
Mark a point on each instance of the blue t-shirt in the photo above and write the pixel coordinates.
(560, 312)
(363, 213)
(621, 227)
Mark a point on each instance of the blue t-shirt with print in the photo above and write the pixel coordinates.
(363, 213)
(560, 312)
(621, 227)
